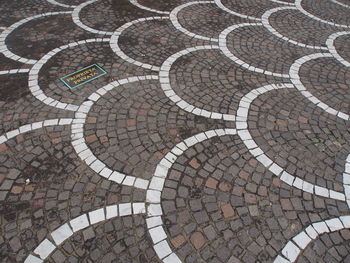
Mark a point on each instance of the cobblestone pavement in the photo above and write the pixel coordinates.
(220, 133)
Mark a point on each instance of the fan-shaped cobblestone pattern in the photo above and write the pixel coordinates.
(15, 10)
(216, 84)
(289, 136)
(299, 27)
(328, 11)
(36, 38)
(109, 15)
(328, 80)
(340, 45)
(141, 130)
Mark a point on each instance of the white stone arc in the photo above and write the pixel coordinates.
(298, 4)
(175, 21)
(281, 2)
(164, 79)
(84, 152)
(266, 23)
(33, 84)
(54, 2)
(117, 50)
(65, 231)
(7, 31)
(295, 78)
(222, 7)
(244, 133)
(154, 191)
(333, 50)
(78, 22)
(293, 249)
(341, 4)
(136, 3)
(346, 180)
(14, 71)
(34, 126)
(230, 55)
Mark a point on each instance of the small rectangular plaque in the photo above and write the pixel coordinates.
(83, 76)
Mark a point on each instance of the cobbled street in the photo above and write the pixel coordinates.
(175, 131)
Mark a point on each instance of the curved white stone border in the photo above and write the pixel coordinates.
(153, 196)
(115, 38)
(34, 126)
(83, 151)
(78, 22)
(339, 3)
(294, 77)
(296, 246)
(265, 21)
(65, 231)
(174, 20)
(2, 27)
(281, 2)
(222, 7)
(346, 180)
(54, 2)
(230, 55)
(14, 71)
(164, 78)
(298, 4)
(7, 31)
(333, 50)
(135, 3)
(256, 151)
(33, 84)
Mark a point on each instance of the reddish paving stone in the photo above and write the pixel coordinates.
(194, 163)
(227, 210)
(211, 183)
(178, 241)
(198, 240)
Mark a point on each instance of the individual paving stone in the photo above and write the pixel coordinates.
(333, 91)
(37, 37)
(256, 46)
(249, 227)
(209, 80)
(328, 11)
(309, 147)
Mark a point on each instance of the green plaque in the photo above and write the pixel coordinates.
(83, 76)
